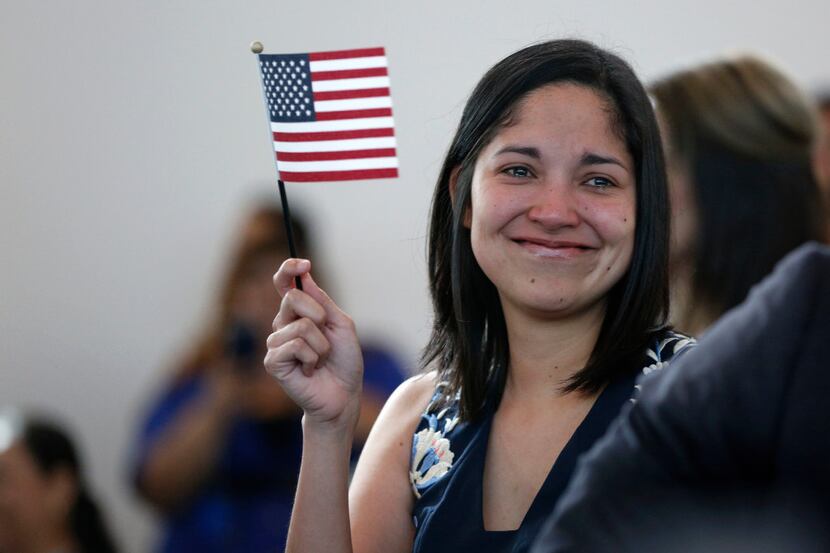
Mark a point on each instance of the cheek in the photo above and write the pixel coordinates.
(493, 205)
(481, 216)
(478, 245)
(623, 236)
(614, 222)
(489, 214)
(21, 502)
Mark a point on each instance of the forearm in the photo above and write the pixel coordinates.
(186, 454)
(320, 519)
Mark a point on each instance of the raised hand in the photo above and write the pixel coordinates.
(313, 351)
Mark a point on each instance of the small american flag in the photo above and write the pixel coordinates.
(331, 115)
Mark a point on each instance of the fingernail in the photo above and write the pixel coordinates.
(303, 264)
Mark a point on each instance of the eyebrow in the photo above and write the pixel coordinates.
(524, 150)
(591, 158)
(588, 158)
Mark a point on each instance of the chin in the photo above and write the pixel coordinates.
(544, 305)
(556, 304)
(555, 309)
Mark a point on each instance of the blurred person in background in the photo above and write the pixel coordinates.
(739, 141)
(219, 451)
(823, 148)
(45, 506)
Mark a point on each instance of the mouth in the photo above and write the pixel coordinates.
(554, 248)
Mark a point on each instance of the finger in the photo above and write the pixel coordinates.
(332, 310)
(297, 305)
(280, 360)
(307, 330)
(290, 268)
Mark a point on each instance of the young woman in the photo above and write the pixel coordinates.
(740, 141)
(547, 260)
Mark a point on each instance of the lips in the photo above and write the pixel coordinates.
(553, 248)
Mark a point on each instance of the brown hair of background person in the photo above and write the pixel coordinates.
(822, 155)
(45, 505)
(262, 236)
(740, 140)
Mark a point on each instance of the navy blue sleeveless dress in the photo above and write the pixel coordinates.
(447, 466)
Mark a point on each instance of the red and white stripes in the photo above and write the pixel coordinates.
(353, 136)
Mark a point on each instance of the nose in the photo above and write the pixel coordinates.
(554, 206)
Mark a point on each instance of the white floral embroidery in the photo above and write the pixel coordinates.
(653, 367)
(431, 458)
(449, 424)
(662, 354)
(678, 343)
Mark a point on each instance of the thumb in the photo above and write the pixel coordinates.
(333, 312)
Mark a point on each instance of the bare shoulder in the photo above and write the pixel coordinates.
(401, 413)
(412, 396)
(380, 496)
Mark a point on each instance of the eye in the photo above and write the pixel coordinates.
(518, 171)
(600, 182)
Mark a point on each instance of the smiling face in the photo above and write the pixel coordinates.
(553, 204)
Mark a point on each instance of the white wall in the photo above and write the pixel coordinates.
(132, 134)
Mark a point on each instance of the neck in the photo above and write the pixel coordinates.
(545, 353)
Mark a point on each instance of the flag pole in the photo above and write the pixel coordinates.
(256, 48)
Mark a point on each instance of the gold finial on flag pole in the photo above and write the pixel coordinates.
(256, 47)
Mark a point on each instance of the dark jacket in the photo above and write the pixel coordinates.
(729, 449)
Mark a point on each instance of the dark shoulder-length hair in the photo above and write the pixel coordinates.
(745, 134)
(469, 346)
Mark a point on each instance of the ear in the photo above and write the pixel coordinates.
(468, 216)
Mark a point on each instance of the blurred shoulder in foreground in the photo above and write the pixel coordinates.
(729, 451)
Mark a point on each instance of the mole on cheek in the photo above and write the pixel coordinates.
(532, 280)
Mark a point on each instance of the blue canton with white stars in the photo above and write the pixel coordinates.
(287, 83)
